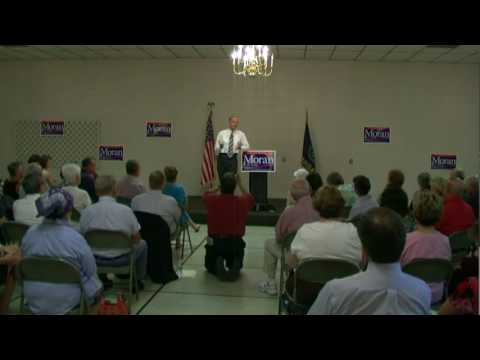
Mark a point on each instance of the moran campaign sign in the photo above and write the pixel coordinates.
(259, 161)
(52, 128)
(373, 135)
(159, 129)
(111, 152)
(444, 162)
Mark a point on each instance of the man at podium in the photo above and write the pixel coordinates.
(229, 144)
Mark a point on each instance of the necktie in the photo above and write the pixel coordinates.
(230, 145)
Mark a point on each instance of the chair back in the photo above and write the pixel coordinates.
(346, 212)
(460, 242)
(156, 233)
(108, 240)
(287, 240)
(75, 217)
(430, 270)
(124, 201)
(51, 270)
(14, 232)
(312, 274)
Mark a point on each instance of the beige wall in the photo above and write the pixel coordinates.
(430, 108)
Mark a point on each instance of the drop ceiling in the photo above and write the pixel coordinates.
(464, 54)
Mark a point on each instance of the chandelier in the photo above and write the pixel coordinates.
(252, 60)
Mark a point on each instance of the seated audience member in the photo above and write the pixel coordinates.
(457, 175)
(72, 176)
(88, 177)
(396, 199)
(298, 174)
(157, 203)
(457, 214)
(25, 210)
(348, 194)
(56, 238)
(383, 289)
(177, 191)
(11, 186)
(226, 217)
(31, 169)
(10, 256)
(329, 237)
(365, 202)
(472, 198)
(463, 288)
(424, 183)
(131, 185)
(315, 181)
(107, 214)
(34, 159)
(46, 164)
(439, 186)
(426, 242)
(290, 221)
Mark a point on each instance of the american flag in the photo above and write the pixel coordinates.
(208, 171)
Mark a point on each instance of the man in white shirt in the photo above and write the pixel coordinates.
(383, 289)
(157, 203)
(25, 210)
(107, 214)
(365, 201)
(72, 176)
(229, 144)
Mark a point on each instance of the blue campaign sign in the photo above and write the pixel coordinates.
(444, 162)
(372, 135)
(259, 161)
(52, 128)
(159, 129)
(111, 152)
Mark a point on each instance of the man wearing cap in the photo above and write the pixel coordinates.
(54, 237)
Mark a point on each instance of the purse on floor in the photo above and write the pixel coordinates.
(109, 307)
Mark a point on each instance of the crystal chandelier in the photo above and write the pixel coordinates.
(252, 60)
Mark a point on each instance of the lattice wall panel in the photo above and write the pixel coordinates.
(80, 140)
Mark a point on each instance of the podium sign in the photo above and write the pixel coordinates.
(259, 161)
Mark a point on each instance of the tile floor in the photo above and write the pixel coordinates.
(199, 293)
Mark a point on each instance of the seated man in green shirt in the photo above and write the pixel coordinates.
(347, 191)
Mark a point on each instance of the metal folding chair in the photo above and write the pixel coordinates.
(431, 271)
(54, 271)
(115, 240)
(310, 277)
(285, 247)
(14, 232)
(461, 245)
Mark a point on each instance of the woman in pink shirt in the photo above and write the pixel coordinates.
(426, 242)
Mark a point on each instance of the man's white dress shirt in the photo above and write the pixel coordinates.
(223, 140)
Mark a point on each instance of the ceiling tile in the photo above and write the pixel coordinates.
(183, 51)
(319, 54)
(211, 51)
(349, 47)
(321, 47)
(292, 54)
(398, 56)
(158, 51)
(372, 55)
(379, 48)
(296, 47)
(409, 48)
(345, 55)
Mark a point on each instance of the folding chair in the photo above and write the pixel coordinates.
(75, 217)
(182, 234)
(101, 240)
(54, 271)
(461, 245)
(14, 232)
(310, 277)
(285, 246)
(124, 201)
(431, 271)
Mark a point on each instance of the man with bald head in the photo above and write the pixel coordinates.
(229, 144)
(290, 221)
(457, 214)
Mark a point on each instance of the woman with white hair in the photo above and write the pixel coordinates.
(72, 176)
(298, 174)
